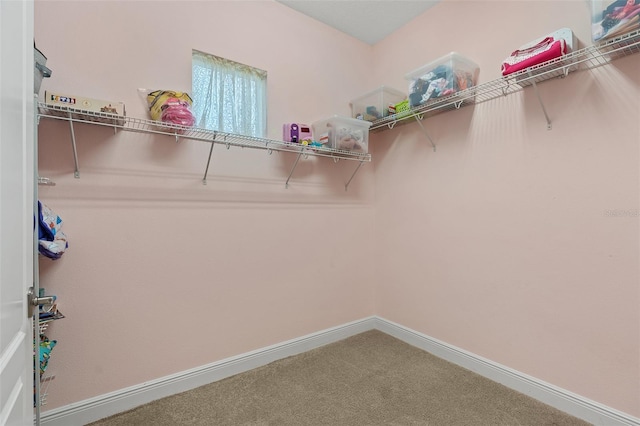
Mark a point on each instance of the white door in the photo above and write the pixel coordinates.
(16, 211)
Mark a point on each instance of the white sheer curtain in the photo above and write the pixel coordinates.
(228, 96)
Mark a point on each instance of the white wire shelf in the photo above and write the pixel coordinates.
(213, 137)
(583, 59)
(45, 382)
(46, 318)
(45, 181)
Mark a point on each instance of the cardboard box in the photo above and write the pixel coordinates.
(87, 108)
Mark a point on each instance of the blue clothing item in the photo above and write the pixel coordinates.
(52, 241)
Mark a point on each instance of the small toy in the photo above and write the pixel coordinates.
(293, 132)
(177, 111)
(349, 139)
(372, 111)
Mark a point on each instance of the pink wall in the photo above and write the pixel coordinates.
(499, 242)
(164, 274)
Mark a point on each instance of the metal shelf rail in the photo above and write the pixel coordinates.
(583, 59)
(204, 135)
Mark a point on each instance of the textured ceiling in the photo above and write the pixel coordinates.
(366, 20)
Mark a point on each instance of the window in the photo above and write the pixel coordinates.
(228, 96)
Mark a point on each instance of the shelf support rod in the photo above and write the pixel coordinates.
(204, 179)
(425, 132)
(76, 174)
(286, 184)
(544, 110)
(346, 186)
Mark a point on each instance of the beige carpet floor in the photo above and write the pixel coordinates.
(368, 379)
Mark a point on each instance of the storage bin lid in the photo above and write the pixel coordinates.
(381, 89)
(346, 120)
(449, 57)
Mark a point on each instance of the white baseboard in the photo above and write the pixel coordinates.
(90, 410)
(93, 409)
(576, 405)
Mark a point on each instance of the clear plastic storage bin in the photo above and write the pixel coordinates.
(442, 77)
(375, 104)
(613, 18)
(343, 133)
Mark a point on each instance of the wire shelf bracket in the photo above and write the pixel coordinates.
(295, 164)
(544, 110)
(206, 170)
(346, 185)
(76, 173)
(419, 121)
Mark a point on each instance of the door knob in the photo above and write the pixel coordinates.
(33, 301)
